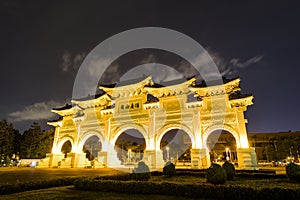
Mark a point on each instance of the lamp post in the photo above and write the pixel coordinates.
(168, 153)
(291, 154)
(227, 153)
(129, 155)
(91, 153)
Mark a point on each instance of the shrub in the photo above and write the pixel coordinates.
(293, 171)
(199, 191)
(119, 177)
(215, 174)
(229, 169)
(169, 169)
(141, 173)
(26, 186)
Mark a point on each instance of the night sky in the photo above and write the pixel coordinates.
(44, 42)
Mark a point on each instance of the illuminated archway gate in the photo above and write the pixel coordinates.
(153, 110)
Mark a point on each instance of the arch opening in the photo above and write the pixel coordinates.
(176, 146)
(66, 148)
(223, 146)
(92, 146)
(130, 146)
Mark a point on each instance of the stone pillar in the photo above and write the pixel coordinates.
(109, 159)
(154, 159)
(102, 158)
(78, 159)
(55, 158)
(45, 162)
(200, 158)
(247, 158)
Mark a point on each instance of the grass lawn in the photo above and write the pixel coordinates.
(69, 192)
(24, 174)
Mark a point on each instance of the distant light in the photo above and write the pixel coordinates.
(33, 164)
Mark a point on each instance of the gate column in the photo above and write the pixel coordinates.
(154, 159)
(200, 158)
(247, 158)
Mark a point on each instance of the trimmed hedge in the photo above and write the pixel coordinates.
(243, 174)
(215, 174)
(26, 186)
(36, 185)
(169, 169)
(260, 175)
(118, 177)
(229, 169)
(293, 172)
(189, 190)
(141, 173)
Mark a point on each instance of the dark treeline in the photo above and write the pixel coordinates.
(33, 143)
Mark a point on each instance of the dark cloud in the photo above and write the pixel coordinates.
(72, 62)
(35, 112)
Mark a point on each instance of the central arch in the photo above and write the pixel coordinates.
(169, 127)
(117, 132)
(175, 144)
(130, 146)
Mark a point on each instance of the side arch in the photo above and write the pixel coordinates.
(227, 128)
(172, 126)
(60, 143)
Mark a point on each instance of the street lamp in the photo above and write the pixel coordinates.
(168, 153)
(227, 153)
(129, 155)
(91, 152)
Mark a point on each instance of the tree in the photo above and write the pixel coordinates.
(45, 144)
(35, 143)
(8, 136)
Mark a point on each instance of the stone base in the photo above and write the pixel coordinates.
(55, 159)
(88, 163)
(66, 162)
(200, 159)
(97, 164)
(45, 162)
(78, 160)
(59, 160)
(247, 158)
(109, 159)
(154, 159)
(102, 158)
